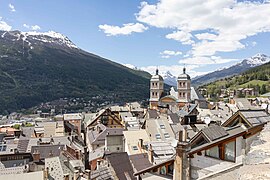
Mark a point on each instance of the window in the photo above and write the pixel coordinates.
(134, 148)
(212, 152)
(158, 136)
(166, 135)
(230, 151)
(162, 126)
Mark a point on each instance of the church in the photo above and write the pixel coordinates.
(177, 97)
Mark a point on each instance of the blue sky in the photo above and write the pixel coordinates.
(202, 35)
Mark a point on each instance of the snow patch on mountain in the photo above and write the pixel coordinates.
(50, 37)
(258, 59)
(169, 78)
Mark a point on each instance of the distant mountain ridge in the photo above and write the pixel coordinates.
(40, 67)
(236, 69)
(169, 79)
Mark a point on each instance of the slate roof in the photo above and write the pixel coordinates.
(214, 132)
(47, 151)
(256, 117)
(232, 132)
(243, 103)
(22, 145)
(175, 118)
(121, 165)
(162, 150)
(102, 173)
(184, 111)
(195, 95)
(152, 113)
(27, 131)
(140, 161)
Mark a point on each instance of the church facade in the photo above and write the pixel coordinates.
(176, 98)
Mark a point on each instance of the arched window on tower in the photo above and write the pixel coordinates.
(180, 84)
(184, 84)
(184, 94)
(180, 94)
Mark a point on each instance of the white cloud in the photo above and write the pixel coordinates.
(168, 53)
(204, 60)
(126, 29)
(225, 23)
(34, 27)
(11, 8)
(206, 36)
(26, 26)
(171, 53)
(182, 36)
(174, 69)
(4, 26)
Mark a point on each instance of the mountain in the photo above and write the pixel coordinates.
(169, 79)
(256, 77)
(236, 69)
(42, 67)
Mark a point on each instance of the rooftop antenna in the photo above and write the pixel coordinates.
(184, 69)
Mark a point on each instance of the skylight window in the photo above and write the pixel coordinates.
(162, 126)
(135, 148)
(158, 136)
(166, 135)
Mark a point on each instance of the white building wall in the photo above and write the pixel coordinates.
(114, 143)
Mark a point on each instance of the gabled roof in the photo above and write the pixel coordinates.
(140, 161)
(250, 117)
(121, 165)
(210, 133)
(103, 112)
(214, 132)
(47, 151)
(102, 173)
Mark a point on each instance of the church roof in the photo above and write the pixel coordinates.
(157, 77)
(184, 76)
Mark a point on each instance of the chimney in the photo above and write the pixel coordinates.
(182, 162)
(88, 174)
(77, 154)
(151, 154)
(76, 175)
(185, 134)
(141, 143)
(98, 164)
(180, 136)
(66, 176)
(36, 155)
(46, 173)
